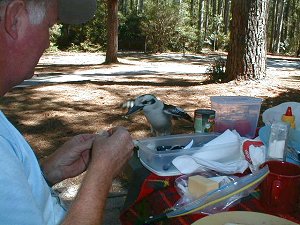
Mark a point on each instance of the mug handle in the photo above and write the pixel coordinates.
(276, 190)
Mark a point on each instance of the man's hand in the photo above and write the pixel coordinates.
(113, 149)
(110, 151)
(70, 160)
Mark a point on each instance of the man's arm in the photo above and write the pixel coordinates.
(109, 154)
(88, 206)
(103, 156)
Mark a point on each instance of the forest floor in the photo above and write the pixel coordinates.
(73, 93)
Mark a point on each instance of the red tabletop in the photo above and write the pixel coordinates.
(157, 194)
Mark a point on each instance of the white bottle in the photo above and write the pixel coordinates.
(278, 141)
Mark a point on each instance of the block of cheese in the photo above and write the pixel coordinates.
(199, 185)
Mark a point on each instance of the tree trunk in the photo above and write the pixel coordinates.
(214, 7)
(220, 7)
(273, 22)
(247, 49)
(112, 32)
(286, 20)
(200, 15)
(279, 27)
(206, 19)
(131, 5)
(226, 16)
(192, 9)
(141, 6)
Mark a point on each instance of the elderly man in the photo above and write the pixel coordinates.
(26, 197)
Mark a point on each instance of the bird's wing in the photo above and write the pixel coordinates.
(177, 112)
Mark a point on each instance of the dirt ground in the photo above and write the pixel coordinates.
(48, 114)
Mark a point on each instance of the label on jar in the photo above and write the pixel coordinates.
(204, 120)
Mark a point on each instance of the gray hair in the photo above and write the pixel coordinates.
(36, 9)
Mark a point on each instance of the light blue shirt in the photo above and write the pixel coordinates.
(25, 197)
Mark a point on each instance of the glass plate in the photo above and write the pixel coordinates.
(242, 218)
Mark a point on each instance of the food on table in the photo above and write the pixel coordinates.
(199, 185)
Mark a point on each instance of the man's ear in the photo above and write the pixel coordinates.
(12, 18)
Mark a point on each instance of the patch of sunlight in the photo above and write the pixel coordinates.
(84, 95)
(58, 88)
(30, 122)
(70, 192)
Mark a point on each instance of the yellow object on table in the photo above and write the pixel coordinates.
(289, 118)
(199, 185)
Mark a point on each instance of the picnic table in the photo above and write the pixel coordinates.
(150, 194)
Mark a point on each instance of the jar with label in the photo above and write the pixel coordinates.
(204, 120)
(278, 141)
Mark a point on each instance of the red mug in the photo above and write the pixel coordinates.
(280, 191)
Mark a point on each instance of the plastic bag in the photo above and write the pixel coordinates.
(227, 195)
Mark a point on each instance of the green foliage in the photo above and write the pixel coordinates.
(85, 47)
(87, 37)
(291, 45)
(166, 26)
(290, 30)
(186, 35)
(96, 29)
(169, 25)
(55, 33)
(216, 39)
(158, 25)
(217, 69)
(130, 34)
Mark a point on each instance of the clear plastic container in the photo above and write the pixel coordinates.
(277, 148)
(238, 113)
(160, 162)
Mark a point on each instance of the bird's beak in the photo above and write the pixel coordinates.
(134, 109)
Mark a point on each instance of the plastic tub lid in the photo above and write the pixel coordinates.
(235, 100)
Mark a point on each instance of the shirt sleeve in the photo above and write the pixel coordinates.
(17, 203)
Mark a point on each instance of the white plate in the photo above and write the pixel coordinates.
(243, 218)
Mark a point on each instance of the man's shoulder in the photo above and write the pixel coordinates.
(12, 143)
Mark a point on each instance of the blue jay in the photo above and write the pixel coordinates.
(157, 113)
